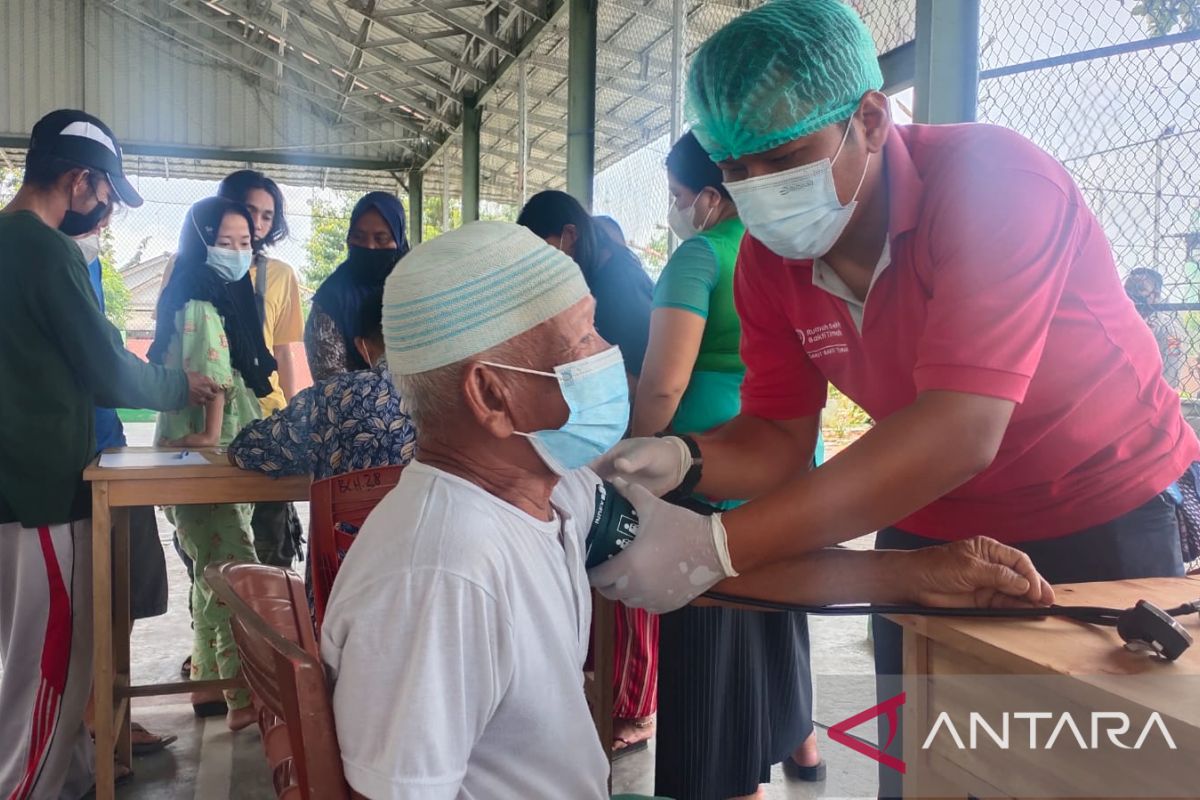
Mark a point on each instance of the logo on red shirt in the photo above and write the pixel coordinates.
(823, 340)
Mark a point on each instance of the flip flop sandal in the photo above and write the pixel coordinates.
(629, 749)
(158, 743)
(798, 772)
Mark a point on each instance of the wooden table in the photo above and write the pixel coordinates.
(960, 665)
(114, 492)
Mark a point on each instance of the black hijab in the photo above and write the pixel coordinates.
(341, 295)
(192, 279)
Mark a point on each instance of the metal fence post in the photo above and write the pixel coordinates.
(472, 122)
(581, 100)
(416, 205)
(947, 69)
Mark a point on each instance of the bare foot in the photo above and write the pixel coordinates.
(239, 718)
(628, 732)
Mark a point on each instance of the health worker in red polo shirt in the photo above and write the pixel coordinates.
(949, 279)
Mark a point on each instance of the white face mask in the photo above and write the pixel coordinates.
(682, 223)
(796, 213)
(90, 246)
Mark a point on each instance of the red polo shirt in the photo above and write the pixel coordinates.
(1000, 283)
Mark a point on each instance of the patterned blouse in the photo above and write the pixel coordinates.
(349, 422)
(324, 345)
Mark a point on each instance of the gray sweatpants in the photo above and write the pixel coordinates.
(46, 652)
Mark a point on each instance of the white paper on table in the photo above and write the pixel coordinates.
(177, 459)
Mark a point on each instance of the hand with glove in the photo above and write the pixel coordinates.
(658, 464)
(677, 555)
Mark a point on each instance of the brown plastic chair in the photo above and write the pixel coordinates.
(274, 636)
(348, 499)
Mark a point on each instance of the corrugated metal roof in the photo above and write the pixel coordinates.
(351, 93)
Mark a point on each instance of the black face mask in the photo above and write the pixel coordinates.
(372, 266)
(76, 224)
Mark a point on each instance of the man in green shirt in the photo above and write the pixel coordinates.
(59, 357)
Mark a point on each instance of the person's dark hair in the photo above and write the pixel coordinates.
(43, 173)
(548, 212)
(691, 166)
(191, 279)
(370, 316)
(611, 228)
(236, 185)
(1146, 272)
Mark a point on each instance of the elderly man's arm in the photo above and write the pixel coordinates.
(974, 573)
(420, 661)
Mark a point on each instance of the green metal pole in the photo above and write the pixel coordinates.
(947, 68)
(581, 100)
(472, 120)
(416, 205)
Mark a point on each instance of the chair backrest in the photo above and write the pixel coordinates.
(346, 499)
(274, 637)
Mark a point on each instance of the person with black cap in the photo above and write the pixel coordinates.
(59, 357)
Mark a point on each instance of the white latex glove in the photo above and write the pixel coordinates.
(677, 556)
(659, 464)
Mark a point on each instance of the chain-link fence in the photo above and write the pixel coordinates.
(1110, 88)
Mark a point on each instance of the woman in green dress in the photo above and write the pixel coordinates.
(736, 693)
(207, 322)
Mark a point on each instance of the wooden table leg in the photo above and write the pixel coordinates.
(102, 618)
(121, 633)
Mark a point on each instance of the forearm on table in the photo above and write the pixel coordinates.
(214, 418)
(901, 465)
(749, 456)
(827, 576)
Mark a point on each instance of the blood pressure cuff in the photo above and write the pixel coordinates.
(614, 525)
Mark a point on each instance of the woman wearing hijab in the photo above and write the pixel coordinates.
(208, 320)
(376, 242)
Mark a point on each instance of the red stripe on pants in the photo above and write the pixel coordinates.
(635, 671)
(56, 658)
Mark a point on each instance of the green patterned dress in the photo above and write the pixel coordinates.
(210, 533)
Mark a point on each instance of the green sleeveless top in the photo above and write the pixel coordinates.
(723, 332)
(699, 279)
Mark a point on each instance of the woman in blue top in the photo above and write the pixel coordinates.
(738, 693)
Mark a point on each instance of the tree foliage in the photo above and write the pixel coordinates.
(1162, 17)
(117, 298)
(326, 246)
(431, 214)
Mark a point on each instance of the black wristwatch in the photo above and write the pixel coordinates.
(691, 478)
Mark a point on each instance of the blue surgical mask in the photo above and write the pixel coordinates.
(597, 394)
(230, 265)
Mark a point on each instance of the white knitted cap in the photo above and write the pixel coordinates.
(471, 289)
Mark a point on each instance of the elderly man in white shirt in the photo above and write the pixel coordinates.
(458, 625)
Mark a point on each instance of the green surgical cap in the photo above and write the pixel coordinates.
(777, 73)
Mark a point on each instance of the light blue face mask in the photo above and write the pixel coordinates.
(230, 265)
(597, 394)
